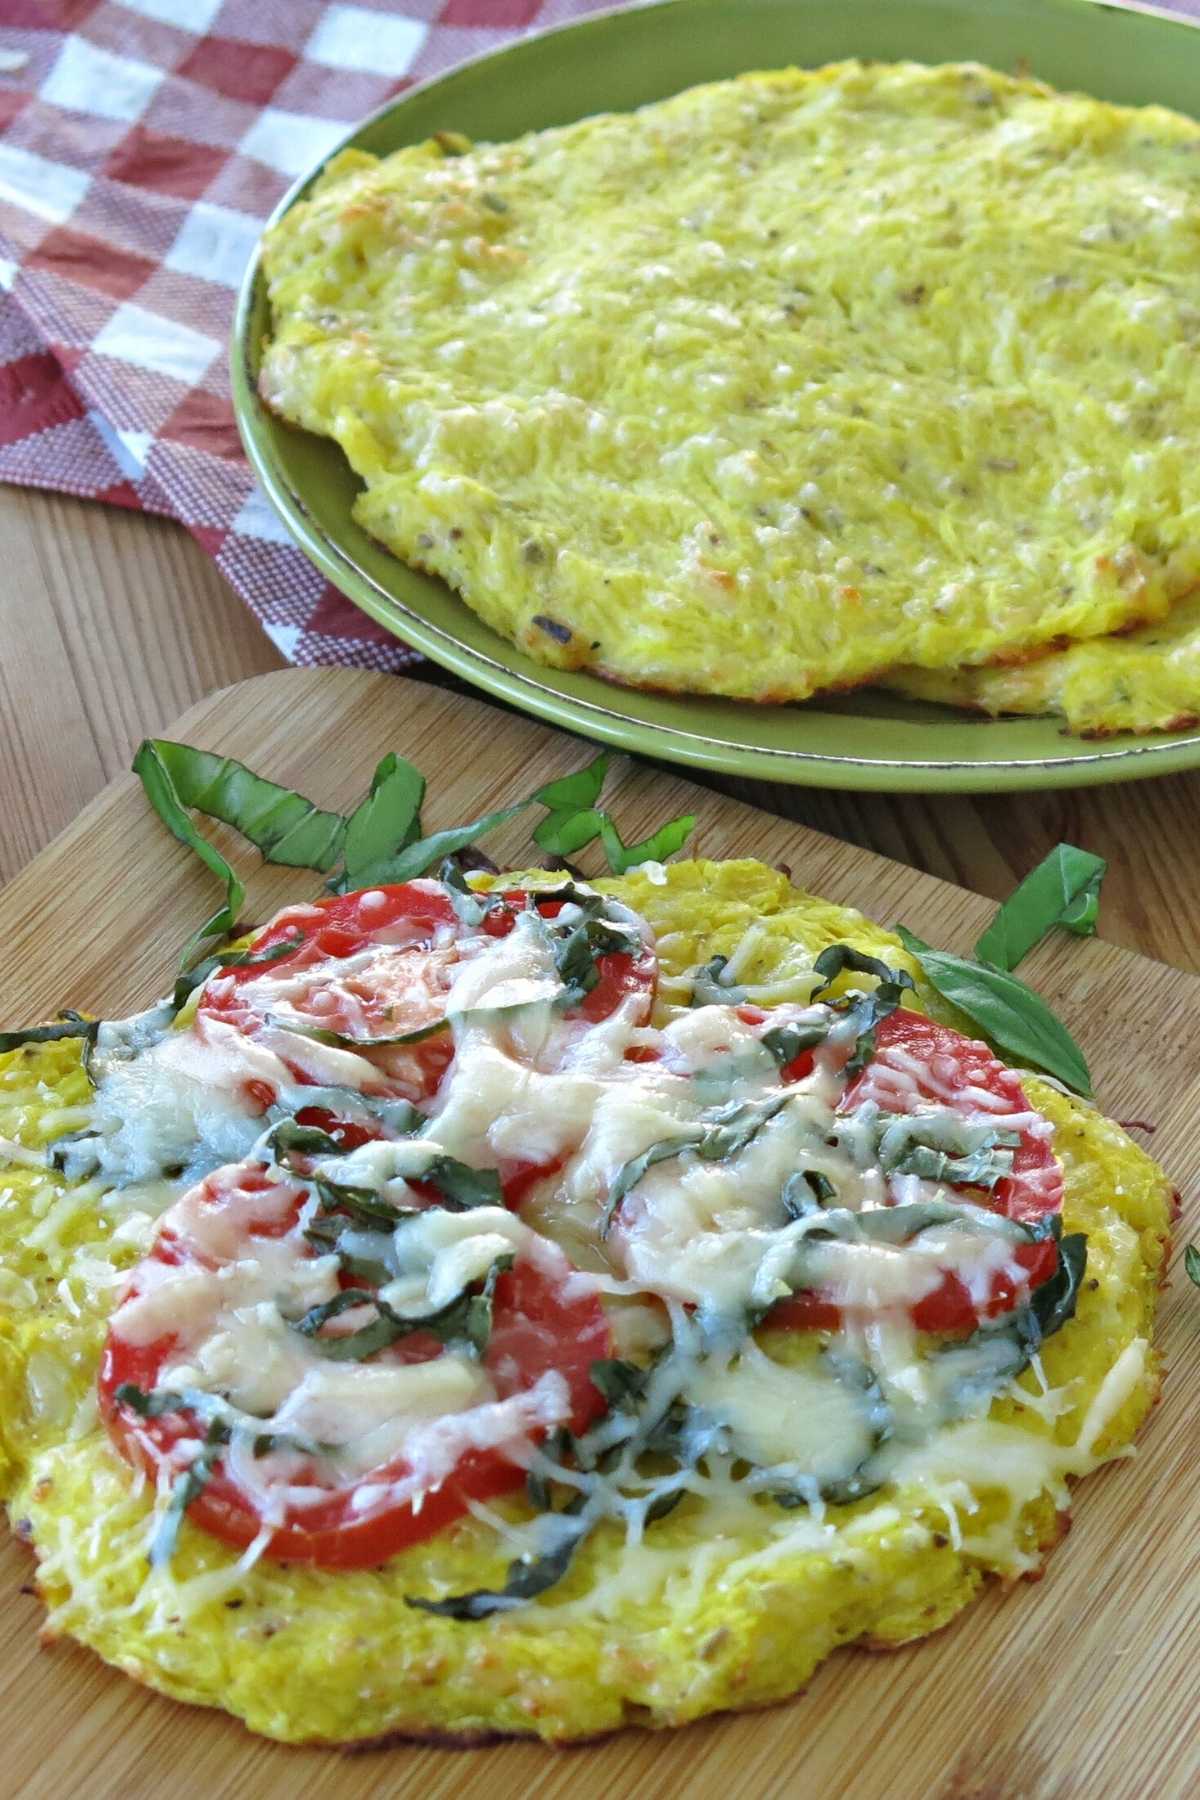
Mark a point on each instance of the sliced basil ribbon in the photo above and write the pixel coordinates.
(722, 1133)
(67, 1025)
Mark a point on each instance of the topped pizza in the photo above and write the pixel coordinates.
(513, 1303)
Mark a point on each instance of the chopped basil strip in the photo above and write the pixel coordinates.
(67, 1025)
(574, 819)
(469, 907)
(1064, 890)
(527, 1577)
(285, 827)
(866, 1010)
(323, 1034)
(190, 979)
(1054, 1302)
(724, 1132)
(835, 959)
(806, 1192)
(383, 824)
(1008, 1012)
(575, 793)
(660, 844)
(364, 1205)
(462, 1188)
(466, 1320)
(419, 857)
(223, 1421)
(709, 990)
(786, 1042)
(189, 1485)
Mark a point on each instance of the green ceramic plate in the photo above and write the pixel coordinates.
(618, 60)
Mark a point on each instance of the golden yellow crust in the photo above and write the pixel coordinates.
(717, 1612)
(1142, 681)
(773, 385)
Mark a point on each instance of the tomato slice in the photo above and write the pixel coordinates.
(413, 930)
(539, 1325)
(918, 1060)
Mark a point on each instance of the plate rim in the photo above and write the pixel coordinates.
(1154, 755)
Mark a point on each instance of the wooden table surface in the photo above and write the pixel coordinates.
(111, 623)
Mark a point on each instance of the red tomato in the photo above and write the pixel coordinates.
(916, 1059)
(537, 1327)
(619, 973)
(405, 989)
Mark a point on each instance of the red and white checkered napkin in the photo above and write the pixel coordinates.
(142, 144)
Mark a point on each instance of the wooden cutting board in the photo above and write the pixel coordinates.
(1085, 1683)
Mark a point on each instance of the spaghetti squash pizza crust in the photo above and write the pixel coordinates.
(773, 385)
(734, 1595)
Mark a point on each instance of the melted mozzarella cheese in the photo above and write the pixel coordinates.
(802, 1418)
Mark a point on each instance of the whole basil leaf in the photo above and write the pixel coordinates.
(1191, 1263)
(1008, 1012)
(1064, 890)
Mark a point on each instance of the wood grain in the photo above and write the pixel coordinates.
(1085, 1683)
(111, 623)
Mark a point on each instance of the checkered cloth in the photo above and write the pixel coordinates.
(142, 143)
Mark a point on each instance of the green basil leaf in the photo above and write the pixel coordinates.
(1009, 1013)
(461, 1187)
(188, 1487)
(67, 1025)
(418, 858)
(575, 793)
(806, 1192)
(1053, 1303)
(149, 1403)
(364, 1205)
(471, 908)
(659, 845)
(724, 1133)
(563, 833)
(709, 990)
(835, 959)
(190, 979)
(386, 822)
(527, 1578)
(290, 1139)
(1191, 1263)
(1064, 890)
(316, 1316)
(786, 1042)
(617, 1380)
(356, 1346)
(325, 1234)
(284, 826)
(631, 1172)
(324, 1034)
